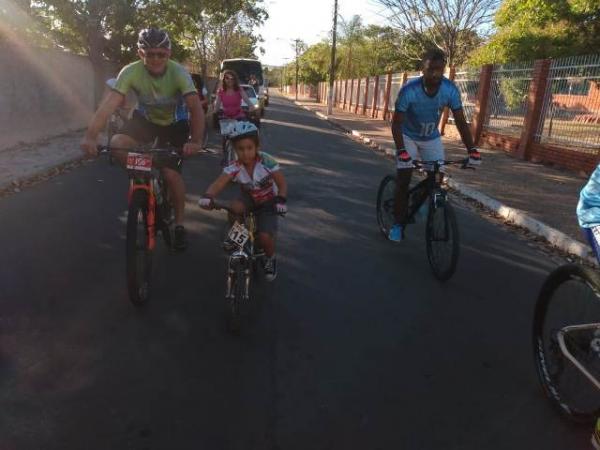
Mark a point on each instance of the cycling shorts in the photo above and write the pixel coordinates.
(593, 237)
(266, 218)
(432, 150)
(145, 132)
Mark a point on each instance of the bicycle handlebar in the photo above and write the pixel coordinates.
(170, 151)
(464, 162)
(218, 204)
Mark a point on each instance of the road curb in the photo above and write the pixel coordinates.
(16, 185)
(511, 215)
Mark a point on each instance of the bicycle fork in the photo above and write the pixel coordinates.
(150, 217)
(439, 200)
(234, 262)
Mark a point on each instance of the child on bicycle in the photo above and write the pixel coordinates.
(263, 186)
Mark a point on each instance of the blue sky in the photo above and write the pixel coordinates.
(309, 20)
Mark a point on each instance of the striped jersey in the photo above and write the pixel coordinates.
(260, 184)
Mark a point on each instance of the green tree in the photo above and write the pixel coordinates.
(215, 30)
(314, 63)
(533, 29)
(352, 36)
(450, 25)
(106, 30)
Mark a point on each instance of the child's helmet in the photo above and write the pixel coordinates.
(243, 130)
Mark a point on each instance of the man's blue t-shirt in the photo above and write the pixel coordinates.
(422, 112)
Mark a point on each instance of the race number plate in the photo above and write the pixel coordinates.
(139, 161)
(239, 234)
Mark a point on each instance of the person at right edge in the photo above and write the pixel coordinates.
(588, 216)
(417, 113)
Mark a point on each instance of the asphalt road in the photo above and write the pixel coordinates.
(354, 346)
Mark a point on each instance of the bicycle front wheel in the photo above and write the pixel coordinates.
(138, 252)
(236, 300)
(566, 341)
(385, 204)
(442, 240)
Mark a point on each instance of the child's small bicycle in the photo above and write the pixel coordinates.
(243, 262)
(226, 126)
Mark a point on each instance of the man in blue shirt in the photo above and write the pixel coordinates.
(419, 106)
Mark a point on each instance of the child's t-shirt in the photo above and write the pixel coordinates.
(260, 185)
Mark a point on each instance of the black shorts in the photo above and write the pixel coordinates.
(266, 218)
(145, 132)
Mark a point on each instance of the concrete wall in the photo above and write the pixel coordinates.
(43, 93)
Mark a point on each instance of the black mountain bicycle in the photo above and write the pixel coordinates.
(149, 212)
(441, 228)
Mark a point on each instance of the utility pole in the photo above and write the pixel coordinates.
(296, 42)
(284, 73)
(332, 67)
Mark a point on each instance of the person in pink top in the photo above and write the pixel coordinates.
(230, 96)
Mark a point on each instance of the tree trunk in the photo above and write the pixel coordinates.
(95, 52)
(96, 41)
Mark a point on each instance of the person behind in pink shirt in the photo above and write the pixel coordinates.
(230, 96)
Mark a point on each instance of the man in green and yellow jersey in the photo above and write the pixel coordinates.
(168, 109)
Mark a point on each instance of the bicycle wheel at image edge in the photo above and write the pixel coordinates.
(576, 289)
(139, 257)
(385, 204)
(442, 240)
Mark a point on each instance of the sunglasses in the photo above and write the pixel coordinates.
(156, 55)
(228, 78)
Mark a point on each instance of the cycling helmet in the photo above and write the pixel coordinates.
(153, 38)
(243, 130)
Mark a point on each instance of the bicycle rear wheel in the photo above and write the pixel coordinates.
(442, 240)
(228, 153)
(385, 204)
(205, 137)
(164, 216)
(570, 296)
(138, 254)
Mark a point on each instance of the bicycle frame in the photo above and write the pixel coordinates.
(563, 348)
(145, 183)
(243, 255)
(431, 186)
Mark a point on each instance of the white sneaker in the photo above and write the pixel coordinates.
(270, 268)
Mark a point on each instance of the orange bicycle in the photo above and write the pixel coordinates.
(149, 212)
